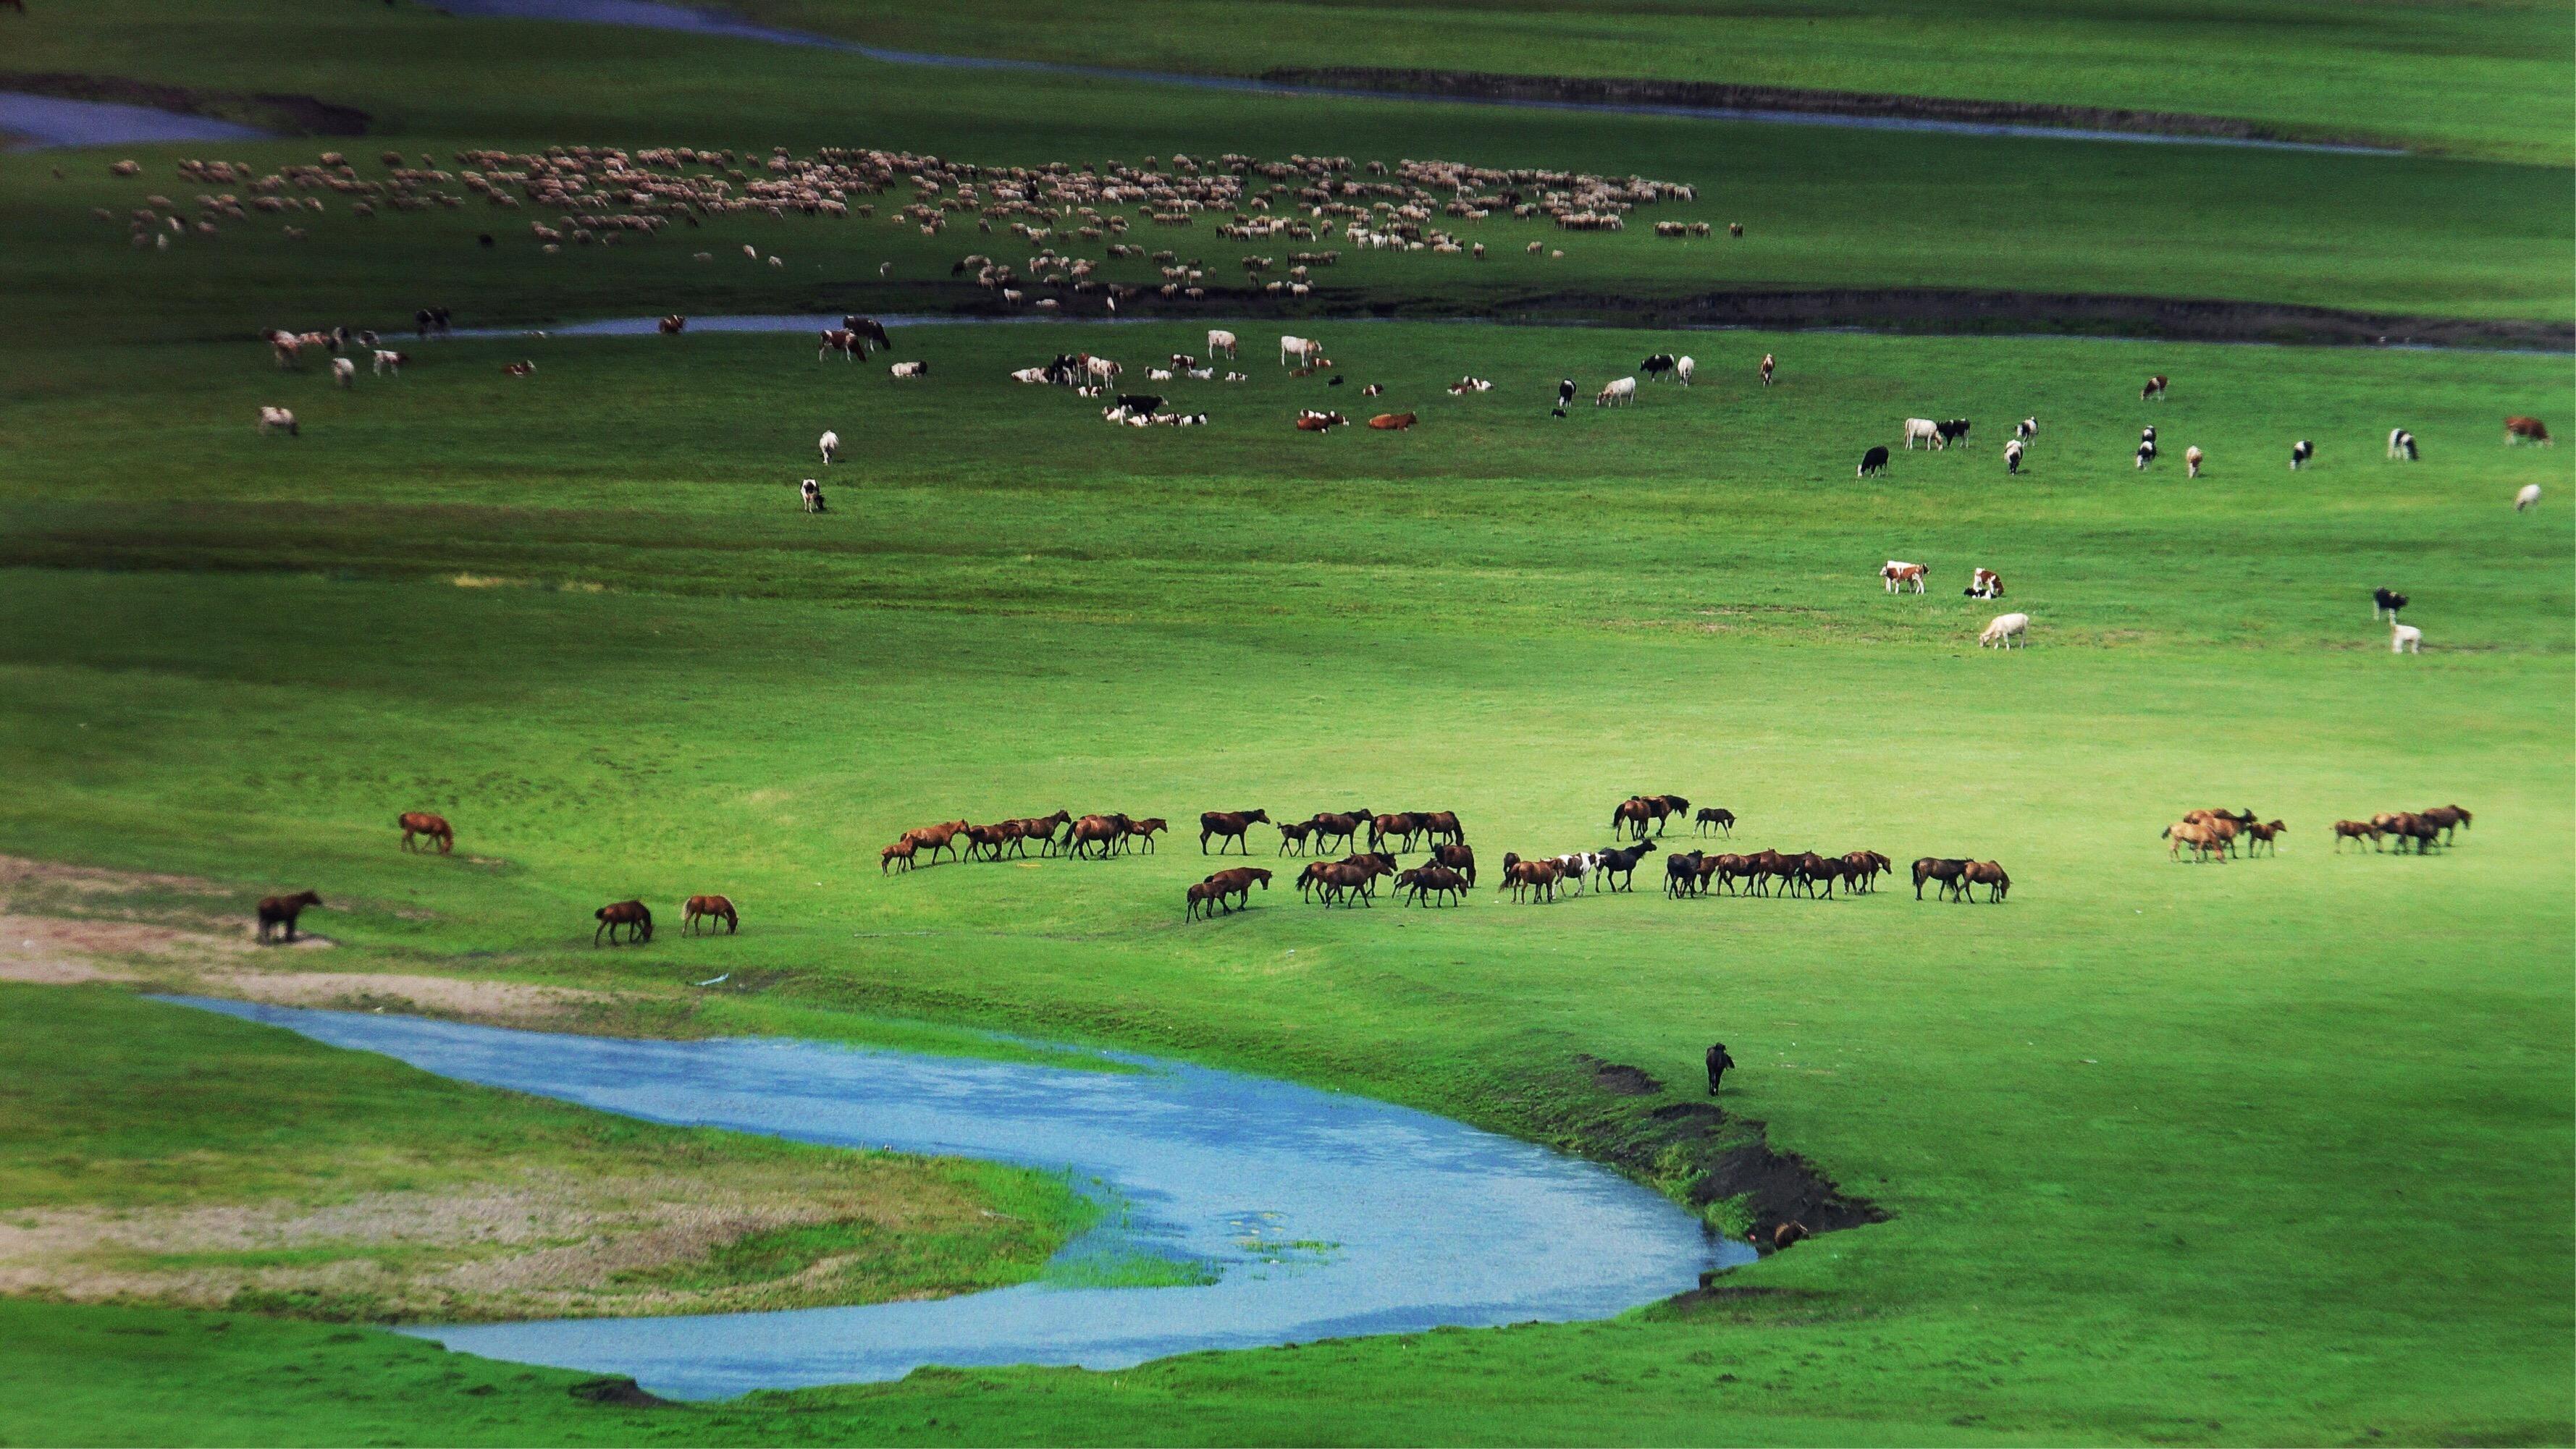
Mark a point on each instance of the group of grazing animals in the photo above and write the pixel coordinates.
(2423, 829)
(1087, 837)
(1771, 872)
(2213, 835)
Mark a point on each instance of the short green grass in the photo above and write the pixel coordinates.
(2174, 1153)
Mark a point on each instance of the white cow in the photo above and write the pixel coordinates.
(344, 372)
(271, 419)
(1682, 370)
(1102, 368)
(2005, 629)
(389, 362)
(2405, 639)
(1298, 350)
(2529, 497)
(1925, 430)
(1029, 374)
(1618, 394)
(830, 443)
(910, 369)
(2191, 458)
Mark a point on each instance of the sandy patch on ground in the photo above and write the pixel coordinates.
(549, 1245)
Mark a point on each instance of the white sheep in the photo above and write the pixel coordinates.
(271, 419)
(344, 372)
(2528, 498)
(2405, 639)
(2005, 629)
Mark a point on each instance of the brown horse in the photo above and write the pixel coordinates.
(711, 909)
(1236, 884)
(1632, 817)
(1294, 832)
(1814, 870)
(1530, 880)
(1441, 827)
(1719, 816)
(986, 841)
(2264, 835)
(1861, 869)
(1726, 870)
(1436, 882)
(1225, 825)
(2355, 830)
(1104, 831)
(1345, 827)
(631, 914)
(1984, 873)
(936, 838)
(1936, 868)
(433, 828)
(1142, 832)
(1344, 877)
(1042, 829)
(276, 911)
(2449, 817)
(902, 850)
(1459, 857)
(1400, 827)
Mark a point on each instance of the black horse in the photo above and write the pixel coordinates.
(1718, 1062)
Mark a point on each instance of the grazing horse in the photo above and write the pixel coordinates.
(902, 850)
(277, 911)
(1718, 1063)
(1458, 856)
(709, 909)
(2355, 830)
(631, 914)
(1104, 831)
(1719, 816)
(1345, 827)
(1935, 868)
(1225, 825)
(1984, 873)
(433, 828)
(1862, 869)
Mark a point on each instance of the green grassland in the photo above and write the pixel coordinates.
(1823, 208)
(2485, 80)
(2216, 1153)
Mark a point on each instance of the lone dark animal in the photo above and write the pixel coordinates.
(1720, 817)
(277, 911)
(1718, 1062)
(1873, 461)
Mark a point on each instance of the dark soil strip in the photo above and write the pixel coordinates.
(288, 115)
(1711, 96)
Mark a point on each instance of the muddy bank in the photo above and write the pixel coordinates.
(1762, 102)
(1716, 1162)
(286, 115)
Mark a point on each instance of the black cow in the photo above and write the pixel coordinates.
(1718, 1062)
(1953, 430)
(2386, 600)
(2300, 452)
(1564, 395)
(1873, 461)
(1659, 365)
(1139, 404)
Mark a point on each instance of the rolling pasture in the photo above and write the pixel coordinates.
(2265, 1151)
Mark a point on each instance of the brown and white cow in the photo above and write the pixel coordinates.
(2519, 429)
(1985, 584)
(1898, 574)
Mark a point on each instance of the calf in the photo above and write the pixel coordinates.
(1985, 584)
(390, 362)
(830, 446)
(2300, 452)
(2155, 388)
(344, 372)
(2356, 830)
(2527, 499)
(2146, 454)
(277, 420)
(2401, 444)
(1897, 574)
(280, 911)
(2405, 639)
(1767, 367)
(1953, 430)
(1564, 395)
(1873, 461)
(2191, 462)
(812, 492)
(1312, 422)
(1659, 365)
(2026, 429)
(1683, 367)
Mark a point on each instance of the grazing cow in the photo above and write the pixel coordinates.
(2401, 444)
(390, 362)
(1393, 422)
(811, 491)
(2405, 639)
(520, 369)
(281, 911)
(1225, 825)
(1314, 422)
(1719, 816)
(2528, 498)
(1659, 365)
(631, 914)
(2026, 430)
(2012, 456)
(1618, 393)
(1984, 584)
(1718, 1065)
(1768, 366)
(2300, 452)
(2146, 454)
(1873, 461)
(841, 340)
(2520, 429)
(830, 444)
(1298, 351)
(902, 370)
(277, 419)
(2155, 388)
(2147, 434)
(1897, 574)
(709, 909)
(2005, 629)
(344, 372)
(433, 829)
(2384, 603)
(2191, 462)
(1953, 430)
(1220, 343)
(670, 326)
(1683, 368)
(870, 331)
(1945, 873)
(1466, 385)
(1925, 431)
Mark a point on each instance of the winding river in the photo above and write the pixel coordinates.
(1315, 1214)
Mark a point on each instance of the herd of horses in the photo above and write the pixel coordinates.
(2219, 835)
